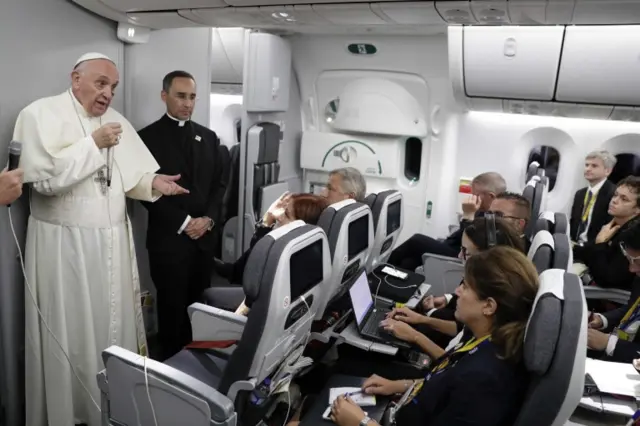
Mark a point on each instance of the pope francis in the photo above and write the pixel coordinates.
(82, 159)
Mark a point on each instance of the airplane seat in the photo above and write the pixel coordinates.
(285, 282)
(534, 193)
(443, 273)
(348, 225)
(555, 223)
(387, 212)
(542, 251)
(555, 349)
(562, 252)
(262, 180)
(532, 170)
(370, 200)
(230, 202)
(562, 224)
(544, 182)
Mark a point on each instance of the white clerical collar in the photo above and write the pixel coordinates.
(595, 188)
(180, 122)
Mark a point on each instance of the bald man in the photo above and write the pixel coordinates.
(82, 159)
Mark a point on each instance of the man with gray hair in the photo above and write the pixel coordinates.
(484, 189)
(589, 212)
(345, 183)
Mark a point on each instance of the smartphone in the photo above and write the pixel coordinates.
(394, 273)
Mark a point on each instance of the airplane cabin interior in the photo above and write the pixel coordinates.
(420, 97)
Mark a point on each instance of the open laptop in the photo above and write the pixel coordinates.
(368, 317)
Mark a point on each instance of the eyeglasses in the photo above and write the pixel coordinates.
(631, 259)
(503, 216)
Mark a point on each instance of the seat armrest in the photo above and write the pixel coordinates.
(425, 256)
(127, 370)
(213, 324)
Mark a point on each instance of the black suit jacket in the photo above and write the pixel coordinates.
(481, 389)
(599, 218)
(625, 351)
(194, 152)
(607, 265)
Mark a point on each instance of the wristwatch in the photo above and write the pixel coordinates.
(211, 223)
(365, 421)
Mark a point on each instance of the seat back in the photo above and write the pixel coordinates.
(259, 180)
(555, 350)
(132, 382)
(541, 251)
(349, 228)
(443, 273)
(555, 223)
(388, 218)
(230, 202)
(284, 282)
(562, 253)
(533, 192)
(532, 170)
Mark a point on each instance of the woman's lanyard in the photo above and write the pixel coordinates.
(469, 347)
(632, 315)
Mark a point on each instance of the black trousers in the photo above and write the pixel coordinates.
(179, 278)
(408, 255)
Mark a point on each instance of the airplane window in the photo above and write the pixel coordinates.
(412, 159)
(331, 110)
(549, 159)
(628, 164)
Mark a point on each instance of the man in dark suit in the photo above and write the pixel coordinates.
(484, 189)
(180, 237)
(620, 341)
(590, 204)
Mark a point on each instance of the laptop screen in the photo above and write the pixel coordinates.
(361, 299)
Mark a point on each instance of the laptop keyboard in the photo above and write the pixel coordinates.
(373, 324)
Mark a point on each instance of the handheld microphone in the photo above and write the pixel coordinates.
(15, 150)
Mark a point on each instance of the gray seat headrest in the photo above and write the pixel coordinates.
(543, 328)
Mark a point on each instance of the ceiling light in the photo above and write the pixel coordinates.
(280, 15)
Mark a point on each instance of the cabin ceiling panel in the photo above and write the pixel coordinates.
(409, 13)
(348, 14)
(528, 12)
(493, 12)
(250, 17)
(456, 12)
(606, 12)
(161, 5)
(159, 20)
(241, 3)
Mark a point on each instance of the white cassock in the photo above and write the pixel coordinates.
(80, 259)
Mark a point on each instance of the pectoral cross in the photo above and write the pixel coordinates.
(101, 179)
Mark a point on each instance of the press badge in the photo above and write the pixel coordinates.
(198, 138)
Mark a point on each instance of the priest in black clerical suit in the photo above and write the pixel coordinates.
(181, 234)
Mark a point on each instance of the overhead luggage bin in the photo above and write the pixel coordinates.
(511, 62)
(600, 66)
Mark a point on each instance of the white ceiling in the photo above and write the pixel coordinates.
(360, 16)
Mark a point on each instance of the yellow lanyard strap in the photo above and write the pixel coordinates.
(631, 315)
(467, 347)
(588, 206)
